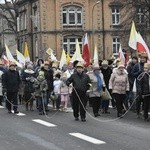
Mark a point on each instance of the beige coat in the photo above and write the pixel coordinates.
(119, 82)
(93, 88)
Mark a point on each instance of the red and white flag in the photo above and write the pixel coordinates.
(86, 52)
(133, 37)
(5, 60)
(121, 55)
(141, 46)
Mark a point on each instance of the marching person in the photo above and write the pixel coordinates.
(10, 83)
(97, 87)
(28, 79)
(80, 82)
(136, 71)
(119, 86)
(144, 88)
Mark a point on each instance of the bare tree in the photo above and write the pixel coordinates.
(139, 11)
(8, 15)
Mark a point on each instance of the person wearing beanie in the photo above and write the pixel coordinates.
(136, 71)
(106, 71)
(119, 87)
(28, 80)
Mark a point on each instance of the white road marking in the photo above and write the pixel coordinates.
(2, 106)
(44, 123)
(87, 138)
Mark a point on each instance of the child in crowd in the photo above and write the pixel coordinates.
(64, 92)
(55, 96)
(41, 87)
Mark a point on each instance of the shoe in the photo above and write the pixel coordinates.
(9, 111)
(40, 113)
(83, 119)
(76, 119)
(97, 114)
(107, 112)
(16, 112)
(146, 120)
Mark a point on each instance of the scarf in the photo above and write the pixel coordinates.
(99, 81)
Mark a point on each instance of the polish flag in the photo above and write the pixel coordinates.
(5, 60)
(86, 52)
(133, 37)
(121, 55)
(141, 46)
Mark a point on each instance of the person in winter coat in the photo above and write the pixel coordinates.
(55, 96)
(80, 82)
(48, 74)
(137, 70)
(64, 91)
(119, 86)
(144, 88)
(131, 78)
(2, 70)
(28, 79)
(106, 71)
(96, 89)
(10, 83)
(40, 85)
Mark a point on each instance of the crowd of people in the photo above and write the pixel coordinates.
(126, 86)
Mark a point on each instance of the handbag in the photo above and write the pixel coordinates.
(106, 95)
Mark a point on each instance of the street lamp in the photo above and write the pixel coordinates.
(93, 22)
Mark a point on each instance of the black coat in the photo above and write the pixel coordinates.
(11, 80)
(143, 84)
(80, 81)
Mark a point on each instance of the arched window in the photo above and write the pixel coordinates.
(69, 44)
(72, 15)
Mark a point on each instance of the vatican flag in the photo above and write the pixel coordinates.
(26, 53)
(63, 59)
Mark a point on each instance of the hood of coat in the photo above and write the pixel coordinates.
(29, 71)
(40, 78)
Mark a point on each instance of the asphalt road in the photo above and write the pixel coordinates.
(59, 131)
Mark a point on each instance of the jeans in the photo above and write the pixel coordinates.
(42, 103)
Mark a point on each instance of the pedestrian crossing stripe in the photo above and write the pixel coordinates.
(2, 107)
(44, 123)
(87, 138)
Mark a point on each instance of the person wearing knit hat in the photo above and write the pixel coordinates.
(119, 86)
(28, 78)
(144, 89)
(106, 71)
(97, 86)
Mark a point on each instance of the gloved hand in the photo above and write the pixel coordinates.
(104, 89)
(4, 90)
(110, 90)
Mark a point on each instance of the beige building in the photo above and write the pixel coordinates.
(57, 24)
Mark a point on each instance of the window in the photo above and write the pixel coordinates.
(115, 16)
(140, 15)
(25, 20)
(69, 44)
(116, 45)
(72, 15)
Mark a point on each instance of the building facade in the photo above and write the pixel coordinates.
(57, 24)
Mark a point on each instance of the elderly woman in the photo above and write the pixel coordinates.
(97, 87)
(119, 86)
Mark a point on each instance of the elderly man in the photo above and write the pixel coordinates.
(80, 82)
(10, 83)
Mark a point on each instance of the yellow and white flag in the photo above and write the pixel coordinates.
(51, 54)
(68, 57)
(77, 55)
(63, 59)
(11, 58)
(133, 37)
(26, 53)
(95, 59)
(20, 57)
